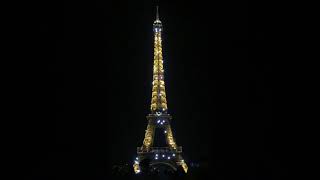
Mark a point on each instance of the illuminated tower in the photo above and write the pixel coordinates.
(159, 146)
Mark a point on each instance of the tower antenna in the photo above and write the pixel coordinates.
(157, 16)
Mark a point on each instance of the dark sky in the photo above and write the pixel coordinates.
(90, 87)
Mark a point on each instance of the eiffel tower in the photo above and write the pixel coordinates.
(159, 147)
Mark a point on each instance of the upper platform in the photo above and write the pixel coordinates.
(157, 26)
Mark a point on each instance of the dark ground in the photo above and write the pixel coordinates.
(86, 88)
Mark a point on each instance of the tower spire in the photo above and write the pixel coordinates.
(157, 16)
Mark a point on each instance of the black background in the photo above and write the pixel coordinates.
(88, 87)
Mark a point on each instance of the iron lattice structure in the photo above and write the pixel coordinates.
(159, 120)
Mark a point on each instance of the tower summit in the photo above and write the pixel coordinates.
(159, 147)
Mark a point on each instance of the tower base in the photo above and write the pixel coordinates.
(157, 159)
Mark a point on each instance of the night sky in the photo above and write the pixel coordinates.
(89, 88)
